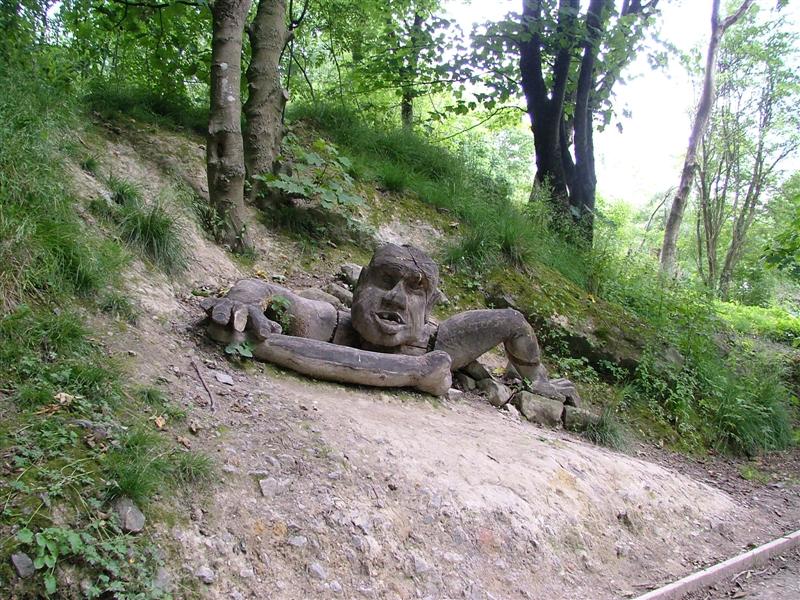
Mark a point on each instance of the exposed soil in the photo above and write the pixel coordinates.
(326, 490)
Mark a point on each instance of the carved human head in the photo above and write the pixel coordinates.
(394, 295)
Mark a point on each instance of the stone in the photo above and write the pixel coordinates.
(453, 394)
(497, 394)
(579, 419)
(336, 587)
(223, 378)
(477, 371)
(512, 411)
(23, 564)
(298, 541)
(206, 575)
(344, 295)
(350, 272)
(538, 409)
(162, 580)
(320, 296)
(268, 486)
(464, 381)
(131, 519)
(317, 571)
(420, 565)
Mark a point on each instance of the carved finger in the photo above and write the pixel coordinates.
(240, 315)
(221, 313)
(260, 325)
(208, 303)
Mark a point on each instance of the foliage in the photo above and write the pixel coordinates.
(319, 174)
(151, 229)
(753, 129)
(607, 431)
(774, 323)
(65, 448)
(110, 99)
(62, 398)
(122, 568)
(279, 311)
(783, 251)
(43, 247)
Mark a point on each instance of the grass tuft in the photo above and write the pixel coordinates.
(154, 231)
(607, 431)
(118, 306)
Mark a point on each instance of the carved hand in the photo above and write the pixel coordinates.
(240, 316)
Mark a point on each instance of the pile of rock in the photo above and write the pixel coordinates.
(536, 408)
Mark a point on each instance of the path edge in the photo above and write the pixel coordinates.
(714, 574)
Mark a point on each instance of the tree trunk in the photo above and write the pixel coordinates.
(266, 97)
(583, 187)
(407, 101)
(546, 109)
(673, 225)
(224, 150)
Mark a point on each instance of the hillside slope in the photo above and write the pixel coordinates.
(326, 490)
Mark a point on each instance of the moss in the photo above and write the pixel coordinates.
(569, 320)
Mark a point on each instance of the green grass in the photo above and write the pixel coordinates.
(774, 323)
(118, 306)
(607, 431)
(150, 229)
(155, 232)
(495, 230)
(112, 99)
(70, 436)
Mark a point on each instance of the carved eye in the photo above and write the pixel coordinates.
(414, 283)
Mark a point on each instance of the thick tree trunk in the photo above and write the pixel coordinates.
(585, 181)
(266, 96)
(546, 109)
(224, 150)
(673, 225)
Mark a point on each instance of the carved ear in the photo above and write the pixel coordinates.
(433, 299)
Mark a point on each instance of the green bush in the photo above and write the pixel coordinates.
(112, 98)
(774, 323)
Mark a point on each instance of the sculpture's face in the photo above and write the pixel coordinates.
(394, 295)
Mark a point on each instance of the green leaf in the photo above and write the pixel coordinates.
(25, 536)
(49, 583)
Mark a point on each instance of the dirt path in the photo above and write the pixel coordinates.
(778, 580)
(328, 490)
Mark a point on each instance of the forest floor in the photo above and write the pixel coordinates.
(326, 490)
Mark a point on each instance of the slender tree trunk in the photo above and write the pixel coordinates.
(673, 225)
(407, 101)
(266, 97)
(224, 150)
(585, 180)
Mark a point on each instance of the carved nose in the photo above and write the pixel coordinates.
(396, 297)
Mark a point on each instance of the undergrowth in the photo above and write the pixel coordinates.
(112, 98)
(496, 231)
(150, 229)
(72, 436)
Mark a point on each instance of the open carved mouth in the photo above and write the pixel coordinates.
(391, 317)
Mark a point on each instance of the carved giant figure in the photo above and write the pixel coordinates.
(387, 340)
